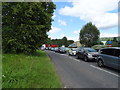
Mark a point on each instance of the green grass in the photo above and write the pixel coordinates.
(29, 71)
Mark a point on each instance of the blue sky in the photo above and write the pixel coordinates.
(70, 17)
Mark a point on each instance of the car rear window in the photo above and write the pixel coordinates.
(74, 49)
(112, 52)
(117, 53)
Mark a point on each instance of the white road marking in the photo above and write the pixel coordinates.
(70, 57)
(75, 59)
(62, 54)
(65, 87)
(104, 70)
(66, 55)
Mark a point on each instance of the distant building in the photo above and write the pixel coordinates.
(75, 44)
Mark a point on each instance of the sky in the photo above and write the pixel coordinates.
(70, 16)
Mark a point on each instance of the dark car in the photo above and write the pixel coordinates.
(86, 53)
(49, 48)
(62, 50)
(109, 57)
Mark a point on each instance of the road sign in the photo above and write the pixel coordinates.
(109, 42)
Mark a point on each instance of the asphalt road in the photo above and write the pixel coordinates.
(76, 73)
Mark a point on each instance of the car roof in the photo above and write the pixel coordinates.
(85, 47)
(112, 48)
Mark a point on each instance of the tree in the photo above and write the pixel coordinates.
(89, 35)
(60, 42)
(64, 40)
(69, 42)
(25, 25)
(115, 39)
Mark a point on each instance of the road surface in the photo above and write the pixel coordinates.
(75, 73)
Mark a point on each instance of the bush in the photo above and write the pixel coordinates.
(25, 25)
(99, 46)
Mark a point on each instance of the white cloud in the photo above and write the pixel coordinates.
(62, 22)
(59, 36)
(108, 35)
(76, 38)
(53, 16)
(96, 11)
(76, 31)
(54, 30)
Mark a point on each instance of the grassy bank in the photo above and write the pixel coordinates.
(29, 71)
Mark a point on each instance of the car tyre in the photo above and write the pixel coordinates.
(100, 63)
(86, 59)
(77, 56)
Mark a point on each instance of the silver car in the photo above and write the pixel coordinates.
(109, 57)
(72, 51)
(88, 54)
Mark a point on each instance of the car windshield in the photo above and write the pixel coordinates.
(62, 48)
(67, 48)
(90, 50)
(74, 49)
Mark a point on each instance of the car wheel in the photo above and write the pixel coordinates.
(100, 63)
(86, 59)
(77, 56)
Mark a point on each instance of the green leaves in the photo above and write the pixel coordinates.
(25, 25)
(89, 35)
(60, 42)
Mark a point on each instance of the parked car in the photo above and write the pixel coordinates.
(86, 53)
(42, 48)
(72, 51)
(47, 48)
(109, 57)
(52, 49)
(56, 49)
(67, 49)
(62, 50)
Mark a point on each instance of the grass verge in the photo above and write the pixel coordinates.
(29, 71)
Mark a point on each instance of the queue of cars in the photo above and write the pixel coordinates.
(109, 56)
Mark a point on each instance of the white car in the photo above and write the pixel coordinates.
(73, 51)
(42, 48)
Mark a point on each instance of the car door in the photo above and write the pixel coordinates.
(80, 53)
(117, 56)
(109, 58)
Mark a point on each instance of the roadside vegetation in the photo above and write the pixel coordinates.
(29, 71)
(64, 41)
(25, 25)
(24, 29)
(97, 47)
